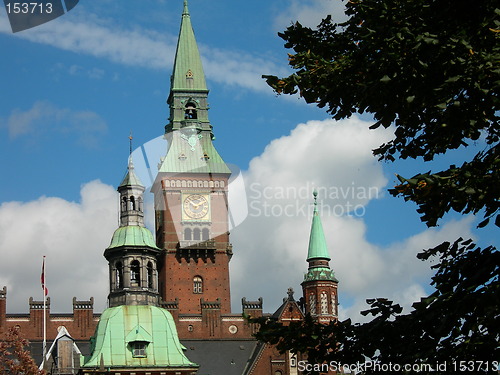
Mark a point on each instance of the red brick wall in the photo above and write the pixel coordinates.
(80, 324)
(178, 267)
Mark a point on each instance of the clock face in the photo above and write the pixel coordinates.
(196, 206)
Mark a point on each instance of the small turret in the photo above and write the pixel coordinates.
(132, 252)
(320, 284)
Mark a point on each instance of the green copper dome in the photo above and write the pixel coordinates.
(132, 235)
(136, 337)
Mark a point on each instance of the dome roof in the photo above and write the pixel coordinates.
(124, 329)
(132, 235)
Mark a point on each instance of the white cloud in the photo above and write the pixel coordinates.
(43, 117)
(71, 235)
(310, 12)
(145, 48)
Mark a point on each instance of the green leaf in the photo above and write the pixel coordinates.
(385, 79)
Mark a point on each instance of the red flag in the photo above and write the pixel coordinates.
(42, 279)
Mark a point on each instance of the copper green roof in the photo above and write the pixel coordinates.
(132, 235)
(188, 71)
(194, 153)
(119, 327)
(317, 243)
(130, 178)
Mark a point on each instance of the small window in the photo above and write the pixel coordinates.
(205, 234)
(324, 303)
(150, 275)
(197, 285)
(135, 269)
(312, 304)
(139, 349)
(188, 234)
(196, 234)
(190, 111)
(124, 204)
(119, 275)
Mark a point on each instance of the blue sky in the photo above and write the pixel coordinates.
(73, 89)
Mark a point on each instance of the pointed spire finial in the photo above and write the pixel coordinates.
(130, 140)
(185, 11)
(315, 195)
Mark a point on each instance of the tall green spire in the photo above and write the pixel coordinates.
(317, 243)
(189, 132)
(188, 71)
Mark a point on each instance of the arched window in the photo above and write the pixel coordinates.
(312, 304)
(324, 303)
(124, 204)
(188, 234)
(135, 272)
(119, 275)
(190, 111)
(196, 234)
(197, 285)
(205, 234)
(334, 304)
(150, 275)
(132, 203)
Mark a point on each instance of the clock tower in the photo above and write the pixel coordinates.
(190, 193)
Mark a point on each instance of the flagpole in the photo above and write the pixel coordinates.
(44, 291)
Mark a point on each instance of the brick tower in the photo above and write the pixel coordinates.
(191, 194)
(319, 285)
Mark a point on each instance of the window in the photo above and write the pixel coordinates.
(124, 204)
(119, 275)
(205, 234)
(190, 112)
(132, 203)
(188, 234)
(197, 285)
(139, 349)
(135, 271)
(334, 305)
(312, 304)
(324, 303)
(196, 234)
(150, 275)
